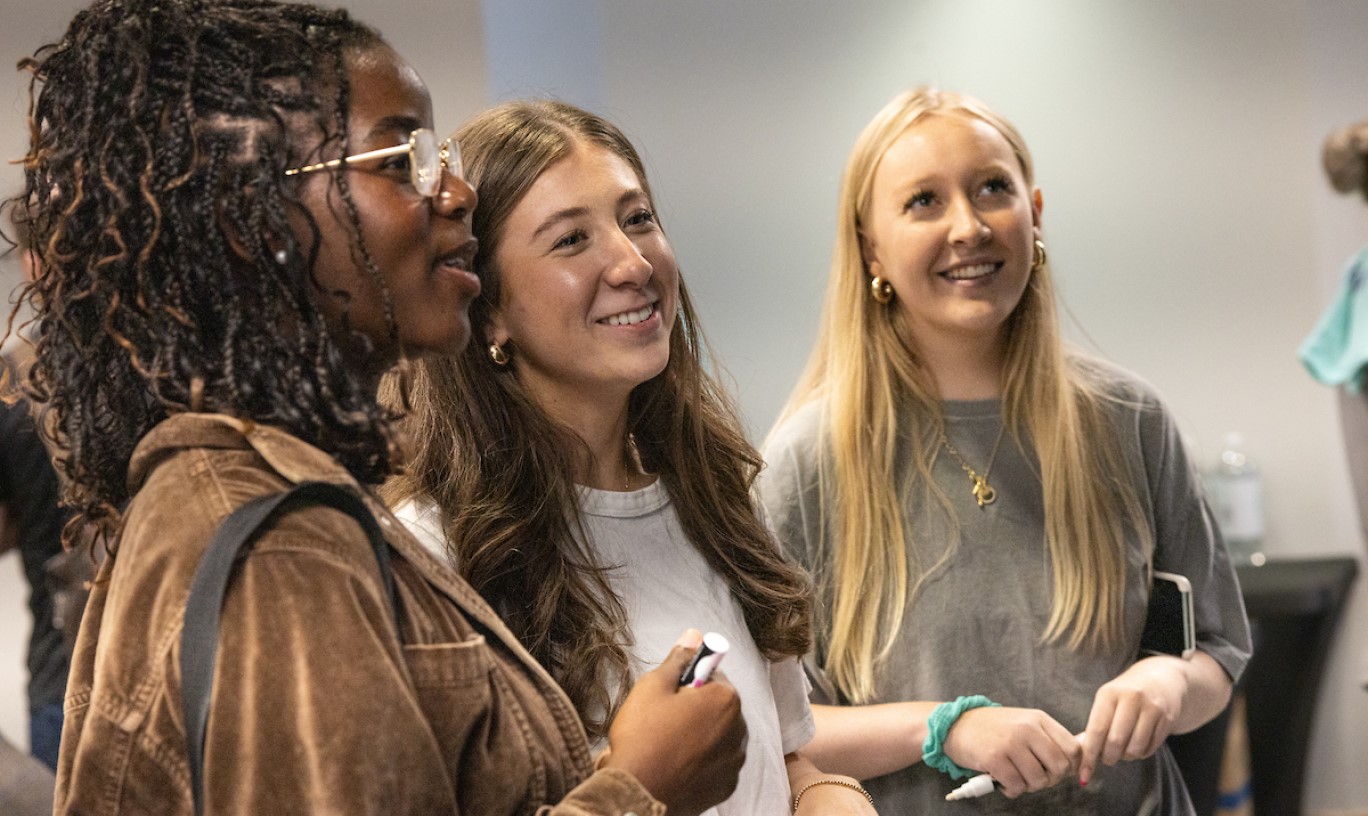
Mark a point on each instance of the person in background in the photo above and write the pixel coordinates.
(243, 218)
(581, 467)
(32, 519)
(31, 522)
(1336, 352)
(981, 506)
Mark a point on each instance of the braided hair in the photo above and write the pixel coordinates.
(170, 277)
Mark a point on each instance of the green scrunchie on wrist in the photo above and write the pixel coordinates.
(938, 725)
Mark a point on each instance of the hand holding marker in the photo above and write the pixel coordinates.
(980, 785)
(709, 654)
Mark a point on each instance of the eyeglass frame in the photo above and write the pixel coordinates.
(448, 153)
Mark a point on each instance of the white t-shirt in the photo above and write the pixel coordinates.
(666, 586)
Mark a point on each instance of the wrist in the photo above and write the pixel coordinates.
(914, 728)
(828, 779)
(938, 725)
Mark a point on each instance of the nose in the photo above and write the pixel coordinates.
(455, 198)
(626, 265)
(966, 226)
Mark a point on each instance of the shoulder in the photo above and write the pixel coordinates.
(1113, 382)
(1139, 416)
(801, 434)
(189, 476)
(793, 453)
(1131, 403)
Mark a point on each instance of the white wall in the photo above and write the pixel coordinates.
(1177, 147)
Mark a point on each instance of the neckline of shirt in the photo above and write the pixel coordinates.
(972, 409)
(620, 504)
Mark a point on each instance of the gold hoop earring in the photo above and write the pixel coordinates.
(1038, 260)
(498, 355)
(881, 290)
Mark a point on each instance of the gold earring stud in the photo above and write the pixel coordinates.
(881, 290)
(498, 355)
(1038, 260)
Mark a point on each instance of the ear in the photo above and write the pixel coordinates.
(1037, 207)
(496, 330)
(869, 256)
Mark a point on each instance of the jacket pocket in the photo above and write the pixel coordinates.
(478, 732)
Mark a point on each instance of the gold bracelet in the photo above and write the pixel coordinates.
(855, 786)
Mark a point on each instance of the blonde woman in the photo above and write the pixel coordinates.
(981, 507)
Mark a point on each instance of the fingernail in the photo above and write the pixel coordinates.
(690, 639)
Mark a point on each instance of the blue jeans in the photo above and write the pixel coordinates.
(45, 733)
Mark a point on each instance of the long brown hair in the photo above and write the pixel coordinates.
(501, 471)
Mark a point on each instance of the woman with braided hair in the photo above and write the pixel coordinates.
(243, 219)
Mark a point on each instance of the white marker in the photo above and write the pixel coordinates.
(980, 785)
(974, 788)
(707, 657)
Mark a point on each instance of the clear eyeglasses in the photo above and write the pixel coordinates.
(427, 157)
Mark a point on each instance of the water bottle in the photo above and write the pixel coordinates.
(1236, 493)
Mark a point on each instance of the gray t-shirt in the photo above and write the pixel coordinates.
(975, 625)
(666, 586)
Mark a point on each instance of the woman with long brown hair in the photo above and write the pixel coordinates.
(580, 466)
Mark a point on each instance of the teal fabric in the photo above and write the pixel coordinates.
(1336, 352)
(938, 726)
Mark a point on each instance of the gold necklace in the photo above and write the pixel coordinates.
(983, 492)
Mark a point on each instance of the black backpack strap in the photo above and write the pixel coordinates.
(199, 637)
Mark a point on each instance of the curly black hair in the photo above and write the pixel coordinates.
(170, 278)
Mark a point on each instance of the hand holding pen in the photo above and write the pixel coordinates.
(980, 785)
(710, 652)
(683, 744)
(1023, 749)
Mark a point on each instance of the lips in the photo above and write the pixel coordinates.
(461, 257)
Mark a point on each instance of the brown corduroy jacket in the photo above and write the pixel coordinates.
(318, 707)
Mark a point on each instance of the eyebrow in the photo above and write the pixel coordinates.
(922, 182)
(575, 212)
(392, 124)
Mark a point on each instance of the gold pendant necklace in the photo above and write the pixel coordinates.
(983, 492)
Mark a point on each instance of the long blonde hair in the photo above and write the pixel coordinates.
(866, 368)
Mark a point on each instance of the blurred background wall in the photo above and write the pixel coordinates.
(1177, 144)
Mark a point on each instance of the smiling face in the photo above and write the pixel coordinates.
(588, 284)
(951, 225)
(422, 247)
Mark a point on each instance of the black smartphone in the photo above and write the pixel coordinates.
(1169, 625)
